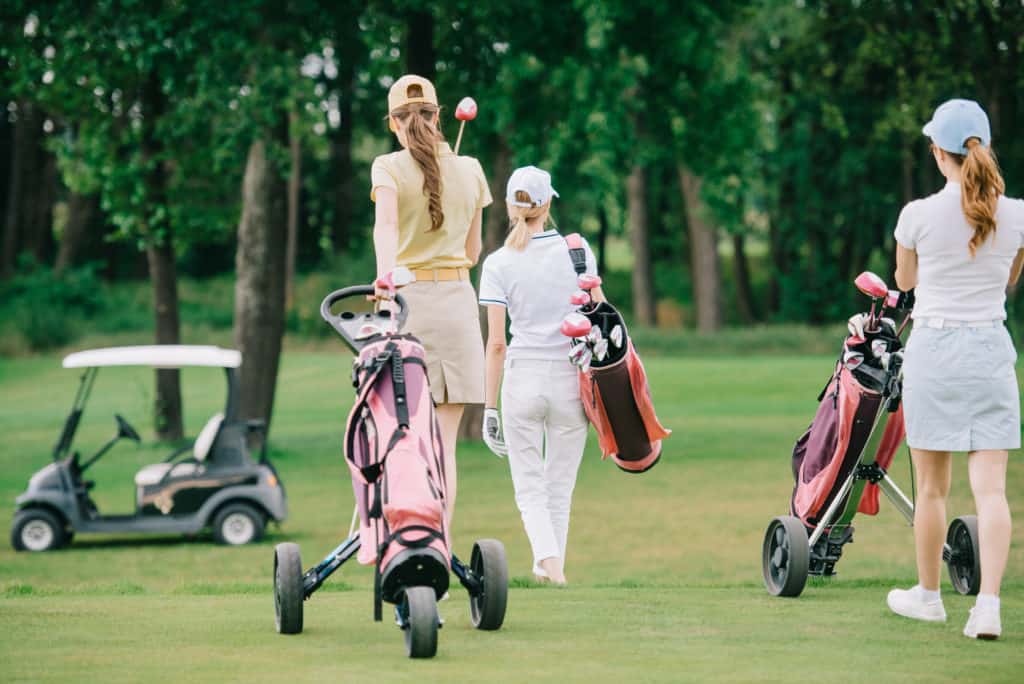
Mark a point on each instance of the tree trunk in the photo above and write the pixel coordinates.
(162, 264)
(27, 171)
(82, 209)
(259, 284)
(341, 167)
(294, 199)
(643, 278)
(494, 228)
(419, 44)
(496, 221)
(741, 272)
(704, 265)
(602, 240)
(37, 221)
(163, 274)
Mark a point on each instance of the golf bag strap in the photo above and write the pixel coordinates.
(577, 254)
(398, 388)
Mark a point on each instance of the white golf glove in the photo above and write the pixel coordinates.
(493, 437)
(856, 324)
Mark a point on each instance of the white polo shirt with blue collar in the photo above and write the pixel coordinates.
(534, 285)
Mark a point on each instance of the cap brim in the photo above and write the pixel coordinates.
(928, 129)
(555, 192)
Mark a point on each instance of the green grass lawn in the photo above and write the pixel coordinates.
(665, 567)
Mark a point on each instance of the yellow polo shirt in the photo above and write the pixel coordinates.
(463, 191)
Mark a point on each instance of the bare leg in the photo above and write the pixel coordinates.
(987, 470)
(448, 417)
(934, 471)
(553, 566)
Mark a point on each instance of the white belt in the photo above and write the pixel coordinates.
(946, 323)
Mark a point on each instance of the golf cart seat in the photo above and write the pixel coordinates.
(154, 473)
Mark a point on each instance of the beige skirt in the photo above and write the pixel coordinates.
(445, 317)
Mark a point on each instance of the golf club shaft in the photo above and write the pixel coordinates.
(458, 140)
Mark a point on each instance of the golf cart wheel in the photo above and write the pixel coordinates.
(488, 563)
(965, 557)
(421, 621)
(237, 524)
(287, 588)
(37, 529)
(785, 556)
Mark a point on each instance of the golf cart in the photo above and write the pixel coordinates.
(213, 482)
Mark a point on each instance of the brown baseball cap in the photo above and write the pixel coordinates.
(399, 93)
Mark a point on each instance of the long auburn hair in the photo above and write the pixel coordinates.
(981, 186)
(519, 218)
(422, 137)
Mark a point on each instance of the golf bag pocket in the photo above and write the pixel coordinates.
(412, 508)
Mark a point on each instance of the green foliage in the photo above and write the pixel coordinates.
(48, 310)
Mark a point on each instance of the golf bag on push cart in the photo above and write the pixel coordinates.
(613, 383)
(840, 461)
(395, 456)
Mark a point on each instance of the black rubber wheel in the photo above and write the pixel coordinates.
(237, 523)
(421, 621)
(287, 588)
(37, 529)
(487, 609)
(785, 556)
(965, 556)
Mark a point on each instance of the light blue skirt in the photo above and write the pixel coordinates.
(960, 389)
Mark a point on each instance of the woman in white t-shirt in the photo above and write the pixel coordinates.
(960, 248)
(532, 278)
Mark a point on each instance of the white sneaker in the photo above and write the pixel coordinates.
(909, 603)
(983, 624)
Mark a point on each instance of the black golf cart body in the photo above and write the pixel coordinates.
(197, 487)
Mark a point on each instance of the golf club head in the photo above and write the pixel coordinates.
(588, 282)
(579, 298)
(892, 299)
(854, 340)
(587, 357)
(601, 349)
(871, 285)
(466, 109)
(576, 353)
(616, 336)
(576, 325)
(879, 347)
(852, 359)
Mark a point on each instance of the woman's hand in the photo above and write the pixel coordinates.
(493, 436)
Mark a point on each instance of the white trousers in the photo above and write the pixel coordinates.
(545, 430)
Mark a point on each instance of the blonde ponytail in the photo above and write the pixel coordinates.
(982, 184)
(422, 137)
(520, 218)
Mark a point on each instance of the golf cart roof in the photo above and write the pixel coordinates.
(157, 355)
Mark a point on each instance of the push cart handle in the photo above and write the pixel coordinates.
(343, 322)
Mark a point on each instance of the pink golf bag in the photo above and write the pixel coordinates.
(614, 389)
(393, 449)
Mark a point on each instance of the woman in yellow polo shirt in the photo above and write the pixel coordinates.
(429, 208)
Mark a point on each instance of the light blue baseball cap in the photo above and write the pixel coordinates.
(954, 122)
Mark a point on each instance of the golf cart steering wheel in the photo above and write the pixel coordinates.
(124, 429)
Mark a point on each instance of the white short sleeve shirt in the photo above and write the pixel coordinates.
(534, 285)
(951, 284)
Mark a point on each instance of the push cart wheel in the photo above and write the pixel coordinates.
(37, 529)
(237, 524)
(785, 556)
(488, 563)
(287, 588)
(421, 621)
(964, 556)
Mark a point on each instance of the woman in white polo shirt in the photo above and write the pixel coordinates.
(960, 248)
(531, 278)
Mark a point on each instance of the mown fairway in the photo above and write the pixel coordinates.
(665, 567)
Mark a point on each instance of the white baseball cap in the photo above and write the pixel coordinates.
(534, 182)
